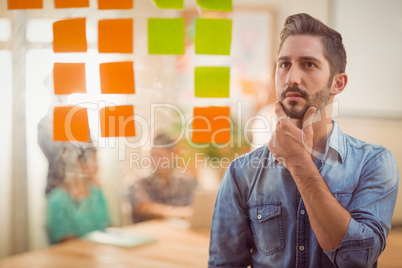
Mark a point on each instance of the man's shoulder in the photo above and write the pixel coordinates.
(361, 145)
(144, 182)
(371, 154)
(184, 179)
(372, 159)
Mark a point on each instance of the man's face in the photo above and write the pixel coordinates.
(302, 75)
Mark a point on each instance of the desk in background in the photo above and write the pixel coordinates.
(173, 248)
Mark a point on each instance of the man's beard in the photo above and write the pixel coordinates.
(318, 100)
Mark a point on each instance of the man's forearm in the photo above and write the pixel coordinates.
(328, 219)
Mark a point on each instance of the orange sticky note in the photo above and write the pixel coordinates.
(117, 121)
(211, 124)
(69, 35)
(25, 4)
(115, 36)
(115, 4)
(70, 123)
(70, 3)
(69, 78)
(117, 77)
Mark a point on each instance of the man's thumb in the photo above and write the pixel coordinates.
(309, 117)
(307, 129)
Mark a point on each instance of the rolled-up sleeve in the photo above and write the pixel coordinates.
(231, 237)
(371, 210)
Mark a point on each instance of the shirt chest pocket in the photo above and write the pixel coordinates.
(267, 227)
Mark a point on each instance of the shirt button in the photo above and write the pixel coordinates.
(301, 248)
(302, 211)
(259, 216)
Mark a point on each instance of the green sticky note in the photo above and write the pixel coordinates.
(166, 36)
(172, 4)
(213, 36)
(212, 82)
(218, 5)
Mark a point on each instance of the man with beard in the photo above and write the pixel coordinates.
(313, 197)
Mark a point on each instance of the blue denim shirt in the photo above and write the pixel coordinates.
(260, 218)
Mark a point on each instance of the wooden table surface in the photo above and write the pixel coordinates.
(173, 248)
(392, 255)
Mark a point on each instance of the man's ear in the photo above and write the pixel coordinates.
(338, 83)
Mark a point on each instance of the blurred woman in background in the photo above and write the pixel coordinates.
(77, 206)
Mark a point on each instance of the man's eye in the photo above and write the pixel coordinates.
(284, 65)
(310, 65)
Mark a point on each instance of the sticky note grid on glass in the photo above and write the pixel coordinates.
(117, 77)
(117, 121)
(211, 125)
(115, 36)
(213, 36)
(70, 123)
(115, 4)
(166, 36)
(71, 3)
(212, 82)
(25, 4)
(70, 35)
(169, 4)
(69, 78)
(216, 5)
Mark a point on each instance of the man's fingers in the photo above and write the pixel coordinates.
(272, 141)
(309, 117)
(307, 130)
(280, 113)
(279, 109)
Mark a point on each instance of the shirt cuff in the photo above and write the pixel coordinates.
(355, 239)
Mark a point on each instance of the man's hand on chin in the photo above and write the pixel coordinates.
(289, 144)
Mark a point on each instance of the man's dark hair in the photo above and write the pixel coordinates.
(304, 24)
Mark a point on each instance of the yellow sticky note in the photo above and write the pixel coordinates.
(117, 77)
(69, 78)
(69, 35)
(169, 4)
(213, 36)
(212, 82)
(117, 121)
(70, 123)
(115, 36)
(211, 125)
(217, 5)
(166, 36)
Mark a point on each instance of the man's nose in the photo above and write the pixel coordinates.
(293, 76)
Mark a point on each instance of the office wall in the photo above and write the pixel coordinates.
(320, 9)
(369, 108)
(372, 33)
(5, 152)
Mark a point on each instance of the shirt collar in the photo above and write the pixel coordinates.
(335, 149)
